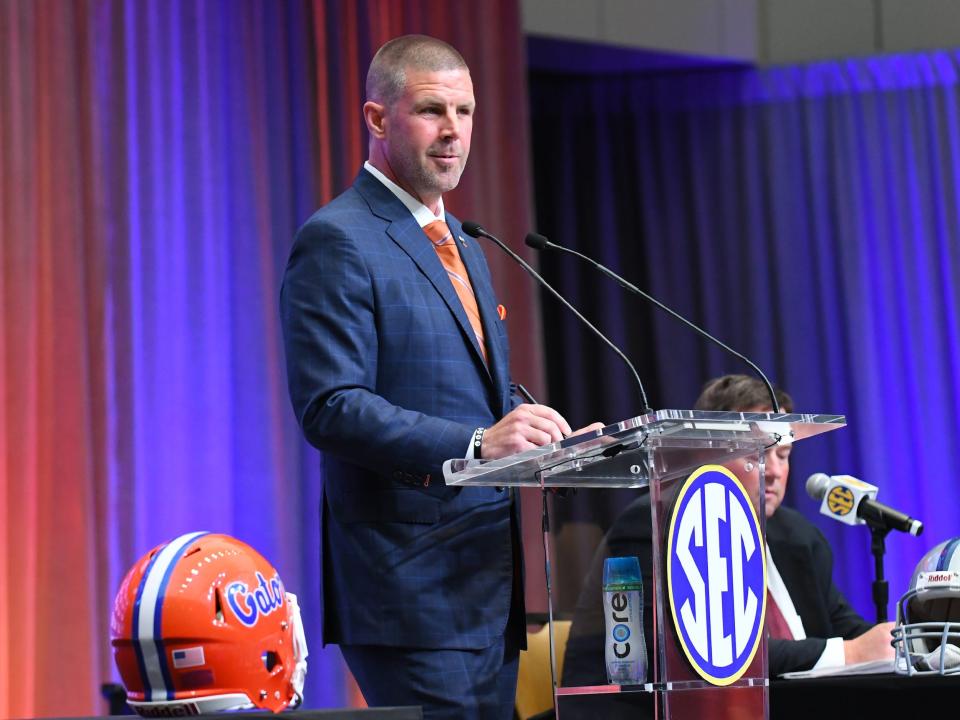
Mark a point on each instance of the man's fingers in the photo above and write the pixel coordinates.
(592, 427)
(535, 430)
(525, 427)
(545, 412)
(547, 426)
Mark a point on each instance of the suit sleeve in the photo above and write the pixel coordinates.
(793, 655)
(330, 337)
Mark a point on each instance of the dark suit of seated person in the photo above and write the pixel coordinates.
(824, 630)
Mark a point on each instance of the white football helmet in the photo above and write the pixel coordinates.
(927, 633)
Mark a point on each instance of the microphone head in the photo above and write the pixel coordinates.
(473, 229)
(817, 485)
(536, 241)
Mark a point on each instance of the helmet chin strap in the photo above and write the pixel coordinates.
(299, 651)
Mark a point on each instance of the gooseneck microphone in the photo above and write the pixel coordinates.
(851, 501)
(539, 242)
(475, 230)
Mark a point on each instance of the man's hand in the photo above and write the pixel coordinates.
(592, 427)
(874, 644)
(523, 428)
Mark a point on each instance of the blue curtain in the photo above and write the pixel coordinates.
(156, 158)
(205, 130)
(810, 217)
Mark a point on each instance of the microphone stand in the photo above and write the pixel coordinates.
(881, 588)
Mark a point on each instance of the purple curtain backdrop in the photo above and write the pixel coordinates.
(810, 217)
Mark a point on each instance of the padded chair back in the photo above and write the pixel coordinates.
(534, 685)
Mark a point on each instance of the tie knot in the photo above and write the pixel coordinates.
(438, 232)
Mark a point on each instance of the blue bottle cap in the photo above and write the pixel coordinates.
(621, 571)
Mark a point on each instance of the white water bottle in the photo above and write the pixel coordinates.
(626, 651)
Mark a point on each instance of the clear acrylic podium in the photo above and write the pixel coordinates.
(659, 451)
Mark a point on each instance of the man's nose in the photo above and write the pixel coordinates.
(450, 127)
(772, 467)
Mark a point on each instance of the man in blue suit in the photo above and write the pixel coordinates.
(397, 360)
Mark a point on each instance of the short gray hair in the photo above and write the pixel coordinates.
(387, 75)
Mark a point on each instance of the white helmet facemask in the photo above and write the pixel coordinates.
(927, 634)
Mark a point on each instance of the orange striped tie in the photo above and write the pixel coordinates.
(446, 248)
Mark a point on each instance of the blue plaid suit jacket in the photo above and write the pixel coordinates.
(387, 380)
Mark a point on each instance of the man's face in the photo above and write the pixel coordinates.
(776, 471)
(776, 468)
(426, 132)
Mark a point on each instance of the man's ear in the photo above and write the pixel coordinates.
(375, 114)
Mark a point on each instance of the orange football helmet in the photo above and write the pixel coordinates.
(203, 624)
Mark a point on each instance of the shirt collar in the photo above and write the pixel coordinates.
(421, 213)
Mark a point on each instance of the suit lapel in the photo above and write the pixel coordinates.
(407, 233)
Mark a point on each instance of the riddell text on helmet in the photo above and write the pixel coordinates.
(172, 710)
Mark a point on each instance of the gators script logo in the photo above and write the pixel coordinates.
(249, 606)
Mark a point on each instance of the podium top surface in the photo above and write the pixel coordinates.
(614, 456)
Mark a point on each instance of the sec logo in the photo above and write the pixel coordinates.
(840, 501)
(716, 574)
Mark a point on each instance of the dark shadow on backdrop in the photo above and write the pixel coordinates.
(809, 217)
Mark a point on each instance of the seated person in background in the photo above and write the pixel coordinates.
(817, 627)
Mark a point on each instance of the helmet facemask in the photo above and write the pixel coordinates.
(927, 633)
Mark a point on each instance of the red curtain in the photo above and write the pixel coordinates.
(52, 419)
(93, 116)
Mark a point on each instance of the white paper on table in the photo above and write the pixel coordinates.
(871, 667)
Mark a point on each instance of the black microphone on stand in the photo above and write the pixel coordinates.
(852, 502)
(539, 242)
(475, 230)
